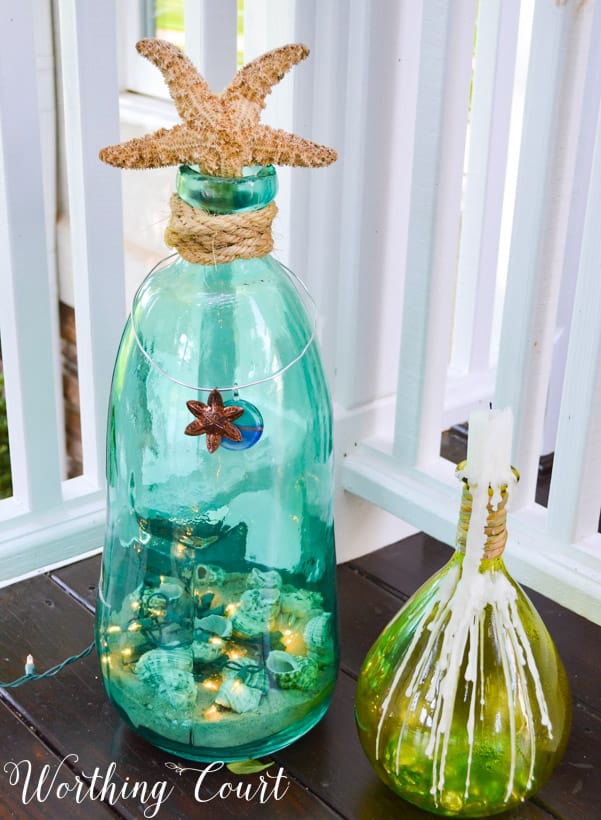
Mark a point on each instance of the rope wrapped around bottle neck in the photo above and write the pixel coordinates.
(214, 239)
(495, 529)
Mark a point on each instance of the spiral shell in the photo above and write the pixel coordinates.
(153, 665)
(319, 639)
(318, 634)
(169, 671)
(292, 671)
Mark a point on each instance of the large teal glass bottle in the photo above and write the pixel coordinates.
(216, 621)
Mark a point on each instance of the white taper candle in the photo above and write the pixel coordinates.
(489, 447)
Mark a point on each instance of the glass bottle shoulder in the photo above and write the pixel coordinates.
(193, 321)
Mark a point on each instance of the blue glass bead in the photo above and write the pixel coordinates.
(250, 425)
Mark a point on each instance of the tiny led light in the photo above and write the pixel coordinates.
(216, 641)
(126, 651)
(212, 713)
(133, 627)
(113, 629)
(210, 684)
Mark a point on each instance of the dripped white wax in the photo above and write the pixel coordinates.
(459, 612)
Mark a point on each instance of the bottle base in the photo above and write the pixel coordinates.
(194, 749)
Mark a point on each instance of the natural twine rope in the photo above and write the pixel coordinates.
(213, 239)
(495, 529)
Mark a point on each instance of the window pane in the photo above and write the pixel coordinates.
(169, 20)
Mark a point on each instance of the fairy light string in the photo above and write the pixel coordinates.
(30, 673)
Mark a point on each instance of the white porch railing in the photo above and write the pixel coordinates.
(402, 242)
(555, 249)
(48, 520)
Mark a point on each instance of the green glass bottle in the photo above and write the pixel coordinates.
(463, 705)
(216, 622)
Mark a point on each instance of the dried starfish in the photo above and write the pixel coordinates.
(215, 420)
(221, 133)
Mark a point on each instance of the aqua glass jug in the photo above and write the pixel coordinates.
(216, 622)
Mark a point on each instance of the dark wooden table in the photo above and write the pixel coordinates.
(51, 616)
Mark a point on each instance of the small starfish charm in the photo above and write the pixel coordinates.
(215, 420)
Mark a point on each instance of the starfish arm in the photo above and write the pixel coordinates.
(177, 146)
(197, 408)
(195, 428)
(215, 399)
(232, 412)
(213, 441)
(230, 431)
(190, 92)
(255, 80)
(277, 147)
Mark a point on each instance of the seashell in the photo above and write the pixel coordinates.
(177, 689)
(248, 624)
(250, 672)
(235, 695)
(270, 579)
(210, 574)
(300, 602)
(318, 633)
(207, 652)
(215, 624)
(257, 613)
(319, 639)
(261, 600)
(292, 671)
(153, 665)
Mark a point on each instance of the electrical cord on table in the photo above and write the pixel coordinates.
(30, 673)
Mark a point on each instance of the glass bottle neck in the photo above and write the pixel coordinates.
(227, 195)
(495, 529)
